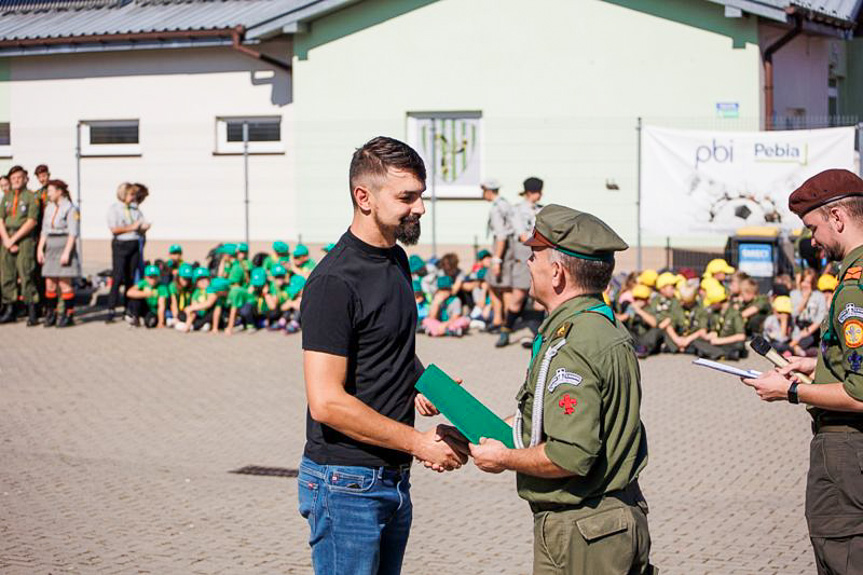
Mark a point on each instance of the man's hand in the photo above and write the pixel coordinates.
(804, 365)
(439, 449)
(490, 455)
(771, 386)
(425, 407)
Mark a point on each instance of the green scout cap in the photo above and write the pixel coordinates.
(329, 247)
(278, 271)
(201, 273)
(280, 248)
(259, 277)
(416, 263)
(228, 249)
(218, 285)
(482, 254)
(175, 249)
(418, 286)
(296, 285)
(243, 248)
(444, 282)
(151, 271)
(301, 250)
(186, 271)
(576, 234)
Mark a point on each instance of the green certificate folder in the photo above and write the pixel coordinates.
(473, 419)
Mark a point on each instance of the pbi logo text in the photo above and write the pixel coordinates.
(719, 152)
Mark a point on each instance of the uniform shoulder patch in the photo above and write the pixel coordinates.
(850, 310)
(563, 330)
(853, 332)
(853, 273)
(562, 376)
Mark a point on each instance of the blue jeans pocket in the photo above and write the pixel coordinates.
(308, 487)
(350, 479)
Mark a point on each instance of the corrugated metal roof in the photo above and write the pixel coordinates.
(843, 10)
(57, 19)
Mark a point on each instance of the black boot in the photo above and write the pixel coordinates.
(50, 318)
(32, 315)
(65, 320)
(8, 314)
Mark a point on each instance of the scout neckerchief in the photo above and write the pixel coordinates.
(602, 309)
(15, 204)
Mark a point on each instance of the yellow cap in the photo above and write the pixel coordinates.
(641, 292)
(648, 278)
(717, 266)
(667, 279)
(709, 281)
(827, 282)
(714, 293)
(782, 304)
(606, 299)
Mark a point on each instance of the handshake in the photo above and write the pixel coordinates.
(444, 448)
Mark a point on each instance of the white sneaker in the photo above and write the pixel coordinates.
(206, 327)
(180, 327)
(477, 324)
(170, 322)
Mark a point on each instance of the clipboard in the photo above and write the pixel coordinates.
(473, 419)
(725, 368)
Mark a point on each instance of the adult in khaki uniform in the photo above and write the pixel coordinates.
(580, 442)
(831, 206)
(500, 227)
(19, 215)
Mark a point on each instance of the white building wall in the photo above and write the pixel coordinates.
(801, 71)
(177, 96)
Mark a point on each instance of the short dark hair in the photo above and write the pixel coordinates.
(380, 154)
(15, 170)
(41, 169)
(590, 276)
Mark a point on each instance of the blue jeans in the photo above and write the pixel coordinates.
(360, 517)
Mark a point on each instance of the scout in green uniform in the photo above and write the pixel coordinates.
(148, 299)
(642, 324)
(302, 264)
(281, 255)
(689, 321)
(248, 304)
(580, 441)
(208, 310)
(180, 291)
(726, 329)
(831, 206)
(754, 307)
(191, 318)
(175, 257)
(19, 217)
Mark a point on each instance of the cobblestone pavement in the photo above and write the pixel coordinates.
(116, 446)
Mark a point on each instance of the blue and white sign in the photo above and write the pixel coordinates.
(755, 259)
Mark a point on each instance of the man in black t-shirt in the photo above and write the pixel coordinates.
(359, 323)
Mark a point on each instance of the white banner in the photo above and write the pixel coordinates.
(454, 141)
(695, 182)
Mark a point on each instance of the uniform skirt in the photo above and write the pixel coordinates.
(52, 268)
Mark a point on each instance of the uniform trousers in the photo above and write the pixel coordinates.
(20, 265)
(125, 256)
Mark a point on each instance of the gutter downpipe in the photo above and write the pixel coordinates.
(237, 44)
(768, 68)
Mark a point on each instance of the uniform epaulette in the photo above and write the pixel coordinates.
(563, 330)
(852, 275)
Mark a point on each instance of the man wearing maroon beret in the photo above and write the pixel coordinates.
(831, 206)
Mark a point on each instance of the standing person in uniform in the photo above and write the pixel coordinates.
(524, 217)
(359, 321)
(43, 175)
(831, 207)
(580, 442)
(500, 227)
(126, 223)
(19, 216)
(57, 255)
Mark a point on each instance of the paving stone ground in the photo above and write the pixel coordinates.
(116, 447)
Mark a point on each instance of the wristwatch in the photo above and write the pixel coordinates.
(496, 260)
(792, 393)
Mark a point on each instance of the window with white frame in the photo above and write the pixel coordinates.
(5, 140)
(263, 134)
(110, 138)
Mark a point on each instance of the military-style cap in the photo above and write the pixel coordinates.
(175, 249)
(278, 271)
(228, 249)
(301, 250)
(186, 271)
(577, 234)
(201, 273)
(243, 248)
(219, 285)
(296, 285)
(490, 184)
(531, 184)
(280, 248)
(151, 271)
(823, 188)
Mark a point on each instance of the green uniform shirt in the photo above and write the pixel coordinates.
(238, 274)
(840, 358)
(662, 307)
(281, 292)
(591, 422)
(17, 208)
(271, 260)
(157, 292)
(728, 322)
(240, 296)
(183, 295)
(688, 321)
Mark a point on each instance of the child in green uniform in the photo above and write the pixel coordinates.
(302, 264)
(180, 291)
(189, 319)
(281, 255)
(641, 323)
(292, 306)
(148, 299)
(726, 331)
(175, 259)
(239, 270)
(249, 304)
(689, 320)
(207, 310)
(277, 299)
(754, 307)
(445, 315)
(228, 253)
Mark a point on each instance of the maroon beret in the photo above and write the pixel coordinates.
(823, 188)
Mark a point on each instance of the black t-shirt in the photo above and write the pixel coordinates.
(359, 303)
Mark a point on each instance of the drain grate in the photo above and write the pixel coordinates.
(265, 471)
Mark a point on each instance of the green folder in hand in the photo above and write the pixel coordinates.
(473, 419)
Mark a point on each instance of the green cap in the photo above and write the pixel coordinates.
(296, 285)
(259, 277)
(416, 263)
(175, 249)
(243, 248)
(301, 250)
(218, 285)
(444, 282)
(482, 254)
(228, 249)
(329, 247)
(201, 273)
(418, 286)
(278, 271)
(576, 234)
(151, 271)
(186, 271)
(280, 248)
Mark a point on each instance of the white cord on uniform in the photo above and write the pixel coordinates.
(538, 402)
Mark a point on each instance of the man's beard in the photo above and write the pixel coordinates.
(832, 253)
